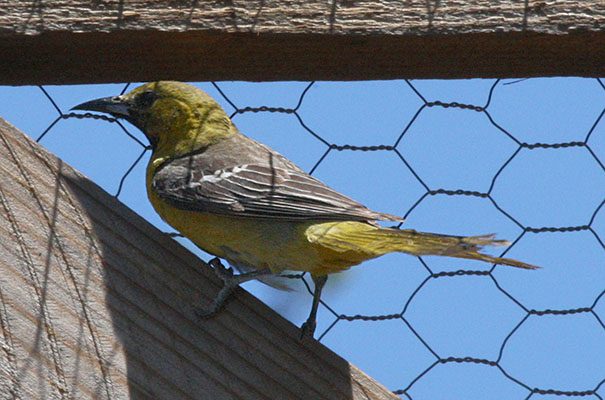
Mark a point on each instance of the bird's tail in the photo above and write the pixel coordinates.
(362, 238)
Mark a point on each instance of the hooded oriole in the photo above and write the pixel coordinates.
(244, 202)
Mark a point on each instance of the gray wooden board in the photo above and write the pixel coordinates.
(95, 303)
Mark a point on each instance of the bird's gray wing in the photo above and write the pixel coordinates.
(256, 187)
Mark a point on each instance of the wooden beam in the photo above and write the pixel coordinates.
(61, 42)
(95, 303)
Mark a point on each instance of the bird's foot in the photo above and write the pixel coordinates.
(230, 282)
(308, 328)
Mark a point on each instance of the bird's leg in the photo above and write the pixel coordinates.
(230, 282)
(308, 328)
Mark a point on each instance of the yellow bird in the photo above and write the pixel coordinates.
(241, 201)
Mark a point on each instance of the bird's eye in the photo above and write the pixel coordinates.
(145, 99)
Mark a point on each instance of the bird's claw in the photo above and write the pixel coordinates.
(218, 302)
(203, 313)
(307, 330)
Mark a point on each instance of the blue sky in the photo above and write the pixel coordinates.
(449, 148)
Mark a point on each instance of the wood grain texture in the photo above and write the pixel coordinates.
(95, 303)
(60, 41)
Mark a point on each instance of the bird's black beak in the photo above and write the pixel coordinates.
(119, 107)
(115, 106)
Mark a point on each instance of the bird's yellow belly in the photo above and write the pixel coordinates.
(259, 243)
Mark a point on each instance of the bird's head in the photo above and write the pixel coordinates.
(171, 114)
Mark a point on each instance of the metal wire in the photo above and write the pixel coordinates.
(395, 147)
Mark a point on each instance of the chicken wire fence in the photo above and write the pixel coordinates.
(520, 158)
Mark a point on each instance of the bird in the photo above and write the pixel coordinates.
(245, 203)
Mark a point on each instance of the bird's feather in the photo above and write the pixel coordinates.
(253, 182)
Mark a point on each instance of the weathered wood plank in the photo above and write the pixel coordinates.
(95, 303)
(298, 16)
(60, 41)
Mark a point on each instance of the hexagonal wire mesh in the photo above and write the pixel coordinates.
(521, 158)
